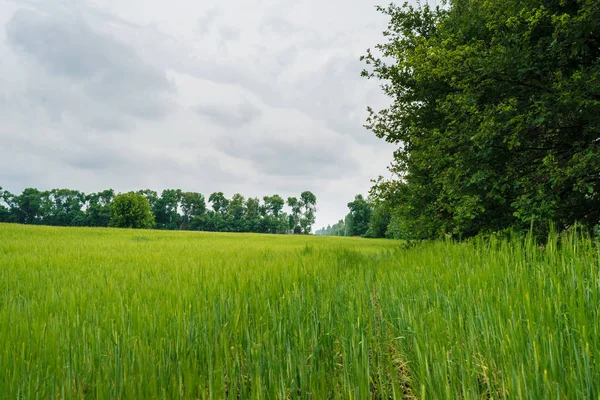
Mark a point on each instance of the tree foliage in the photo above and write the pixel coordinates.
(99, 208)
(193, 207)
(165, 210)
(4, 210)
(172, 209)
(308, 206)
(360, 210)
(337, 229)
(496, 113)
(294, 220)
(62, 207)
(131, 210)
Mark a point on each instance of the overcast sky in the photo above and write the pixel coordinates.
(256, 97)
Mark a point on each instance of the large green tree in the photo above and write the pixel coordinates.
(361, 215)
(219, 202)
(26, 208)
(308, 205)
(253, 214)
(193, 207)
(272, 210)
(496, 113)
(274, 204)
(237, 213)
(294, 218)
(5, 215)
(99, 208)
(165, 209)
(218, 220)
(151, 196)
(131, 210)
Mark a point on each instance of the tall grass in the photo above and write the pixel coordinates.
(101, 313)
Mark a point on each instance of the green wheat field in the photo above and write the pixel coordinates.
(107, 313)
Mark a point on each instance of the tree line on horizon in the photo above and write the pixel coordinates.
(172, 209)
(366, 218)
(356, 223)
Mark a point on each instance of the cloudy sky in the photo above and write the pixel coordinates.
(256, 97)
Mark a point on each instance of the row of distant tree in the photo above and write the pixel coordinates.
(364, 219)
(173, 209)
(370, 218)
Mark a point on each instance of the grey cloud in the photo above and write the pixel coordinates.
(229, 33)
(276, 25)
(206, 21)
(188, 60)
(233, 117)
(185, 57)
(64, 47)
(62, 102)
(332, 95)
(14, 180)
(273, 156)
(287, 56)
(79, 152)
(276, 62)
(98, 160)
(89, 163)
(96, 67)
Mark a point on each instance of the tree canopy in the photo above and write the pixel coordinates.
(360, 211)
(308, 207)
(495, 108)
(131, 210)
